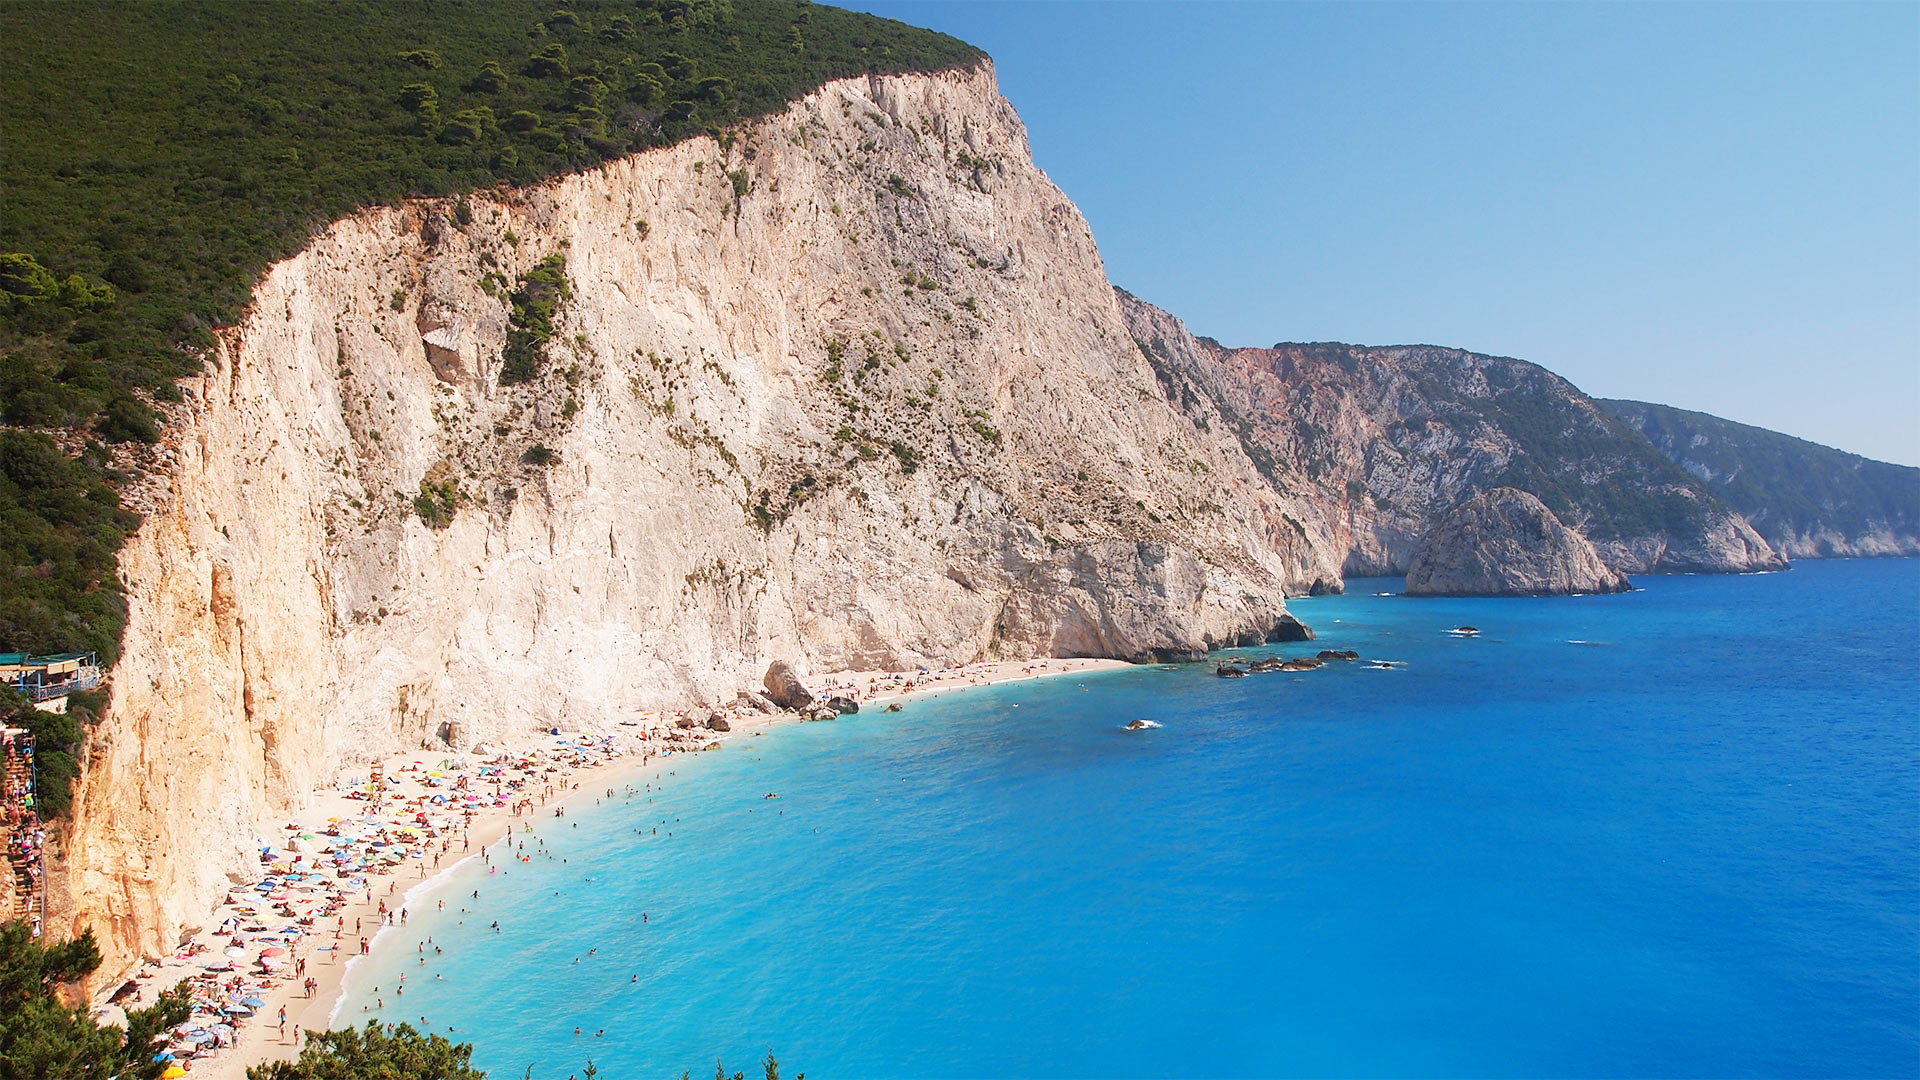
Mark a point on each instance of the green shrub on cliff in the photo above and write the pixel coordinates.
(542, 290)
(60, 524)
(57, 738)
(150, 178)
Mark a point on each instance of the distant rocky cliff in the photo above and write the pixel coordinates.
(850, 390)
(1384, 442)
(1809, 501)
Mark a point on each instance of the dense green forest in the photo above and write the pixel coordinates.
(158, 156)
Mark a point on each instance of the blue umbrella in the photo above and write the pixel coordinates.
(253, 1003)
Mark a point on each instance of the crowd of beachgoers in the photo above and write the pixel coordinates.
(273, 959)
(270, 964)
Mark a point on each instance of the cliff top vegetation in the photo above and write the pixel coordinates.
(159, 156)
(1784, 485)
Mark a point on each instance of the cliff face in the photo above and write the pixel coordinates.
(850, 390)
(1505, 542)
(1809, 501)
(1387, 441)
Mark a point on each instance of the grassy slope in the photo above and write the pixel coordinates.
(158, 156)
(1786, 486)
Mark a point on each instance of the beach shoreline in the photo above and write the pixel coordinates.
(318, 954)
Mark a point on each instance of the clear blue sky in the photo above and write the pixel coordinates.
(1715, 206)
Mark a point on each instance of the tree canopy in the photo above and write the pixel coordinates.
(374, 1053)
(41, 1037)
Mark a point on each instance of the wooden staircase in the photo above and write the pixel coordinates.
(21, 899)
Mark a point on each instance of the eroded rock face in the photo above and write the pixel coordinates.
(1390, 439)
(840, 420)
(1505, 542)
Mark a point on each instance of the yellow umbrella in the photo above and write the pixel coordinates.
(173, 1073)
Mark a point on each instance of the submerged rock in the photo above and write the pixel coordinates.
(1505, 542)
(1302, 663)
(1339, 654)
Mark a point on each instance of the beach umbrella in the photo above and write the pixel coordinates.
(173, 1072)
(273, 952)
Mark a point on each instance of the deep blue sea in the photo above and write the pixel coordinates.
(1671, 833)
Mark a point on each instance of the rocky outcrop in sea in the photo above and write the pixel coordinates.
(1505, 542)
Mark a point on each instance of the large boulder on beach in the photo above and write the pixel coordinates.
(716, 722)
(1505, 542)
(843, 705)
(784, 688)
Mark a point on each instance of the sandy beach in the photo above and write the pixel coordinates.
(362, 854)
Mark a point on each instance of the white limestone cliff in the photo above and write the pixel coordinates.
(880, 409)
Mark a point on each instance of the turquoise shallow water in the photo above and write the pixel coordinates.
(1669, 833)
